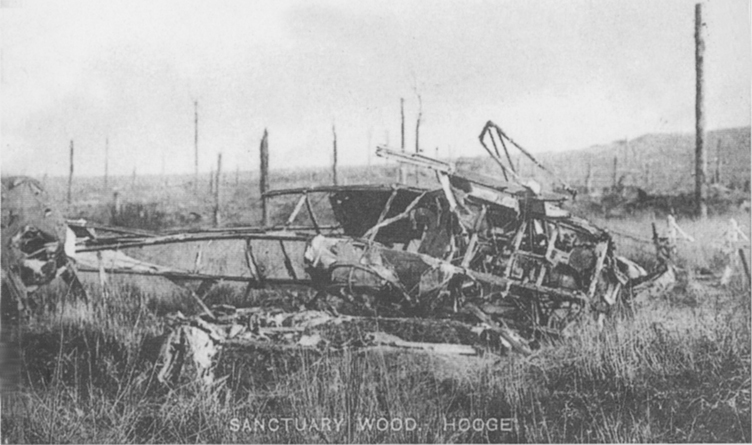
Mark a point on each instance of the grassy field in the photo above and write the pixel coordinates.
(677, 369)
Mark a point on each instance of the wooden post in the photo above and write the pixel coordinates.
(334, 156)
(106, 161)
(401, 178)
(613, 174)
(70, 174)
(217, 186)
(700, 159)
(195, 145)
(264, 180)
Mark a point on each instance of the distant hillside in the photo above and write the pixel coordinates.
(658, 163)
(669, 159)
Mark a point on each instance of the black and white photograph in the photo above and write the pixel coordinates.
(330, 221)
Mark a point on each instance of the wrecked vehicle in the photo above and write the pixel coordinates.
(35, 242)
(494, 255)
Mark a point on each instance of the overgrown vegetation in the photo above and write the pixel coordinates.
(677, 370)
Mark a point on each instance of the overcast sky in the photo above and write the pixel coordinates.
(556, 75)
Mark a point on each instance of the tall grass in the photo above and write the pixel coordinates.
(672, 372)
(676, 370)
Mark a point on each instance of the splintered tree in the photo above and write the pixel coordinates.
(717, 172)
(700, 160)
(195, 145)
(106, 161)
(264, 178)
(402, 139)
(334, 155)
(217, 186)
(70, 175)
(417, 133)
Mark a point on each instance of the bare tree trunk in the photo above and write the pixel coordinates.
(195, 145)
(402, 139)
(370, 135)
(70, 174)
(217, 186)
(264, 180)
(417, 135)
(589, 177)
(164, 176)
(717, 174)
(700, 159)
(334, 156)
(106, 161)
(417, 125)
(115, 208)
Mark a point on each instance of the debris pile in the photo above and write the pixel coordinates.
(485, 260)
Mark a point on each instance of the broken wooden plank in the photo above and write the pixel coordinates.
(297, 209)
(503, 331)
(311, 214)
(401, 216)
(383, 213)
(184, 275)
(112, 244)
(252, 265)
(288, 262)
(745, 266)
(383, 339)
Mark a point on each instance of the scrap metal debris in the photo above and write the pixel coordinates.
(193, 343)
(497, 256)
(35, 241)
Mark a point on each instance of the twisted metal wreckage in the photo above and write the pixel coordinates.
(499, 257)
